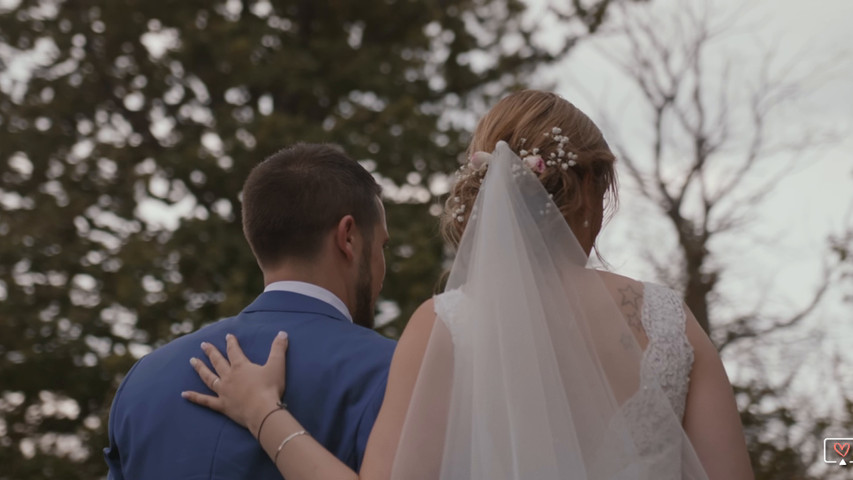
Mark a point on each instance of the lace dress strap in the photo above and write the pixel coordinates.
(669, 355)
(446, 307)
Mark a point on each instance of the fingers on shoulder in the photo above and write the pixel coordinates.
(203, 372)
(278, 347)
(281, 340)
(220, 363)
(208, 401)
(232, 347)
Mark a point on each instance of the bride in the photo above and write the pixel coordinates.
(529, 365)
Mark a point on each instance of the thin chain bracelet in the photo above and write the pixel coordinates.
(284, 442)
(279, 406)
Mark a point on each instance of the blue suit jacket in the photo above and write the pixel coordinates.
(336, 376)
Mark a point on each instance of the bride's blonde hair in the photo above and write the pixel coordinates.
(526, 121)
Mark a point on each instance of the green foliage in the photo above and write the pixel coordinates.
(128, 104)
(785, 436)
(772, 450)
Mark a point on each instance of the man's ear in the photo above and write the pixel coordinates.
(345, 235)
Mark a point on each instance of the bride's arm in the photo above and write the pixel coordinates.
(711, 419)
(405, 366)
(248, 392)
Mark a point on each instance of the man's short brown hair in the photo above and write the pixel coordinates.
(296, 195)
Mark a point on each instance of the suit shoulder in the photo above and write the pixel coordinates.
(371, 339)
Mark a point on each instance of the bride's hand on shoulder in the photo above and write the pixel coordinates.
(244, 390)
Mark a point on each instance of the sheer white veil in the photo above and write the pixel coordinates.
(531, 371)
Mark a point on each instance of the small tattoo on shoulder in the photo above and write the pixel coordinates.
(631, 302)
(627, 342)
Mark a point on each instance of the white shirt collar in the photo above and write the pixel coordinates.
(310, 290)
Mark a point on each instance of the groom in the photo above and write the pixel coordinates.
(316, 225)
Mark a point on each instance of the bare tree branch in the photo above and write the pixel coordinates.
(703, 160)
(744, 326)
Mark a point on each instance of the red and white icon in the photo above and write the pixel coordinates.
(837, 450)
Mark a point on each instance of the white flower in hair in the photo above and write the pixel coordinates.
(572, 156)
(479, 160)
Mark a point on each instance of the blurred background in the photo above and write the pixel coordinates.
(127, 128)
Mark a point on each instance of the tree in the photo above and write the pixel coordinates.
(710, 157)
(126, 131)
(707, 157)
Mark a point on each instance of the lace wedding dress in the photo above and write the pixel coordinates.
(532, 370)
(666, 360)
(668, 357)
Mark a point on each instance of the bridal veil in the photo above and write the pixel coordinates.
(531, 370)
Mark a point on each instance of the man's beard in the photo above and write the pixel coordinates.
(364, 306)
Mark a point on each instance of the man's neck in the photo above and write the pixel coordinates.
(312, 279)
(315, 275)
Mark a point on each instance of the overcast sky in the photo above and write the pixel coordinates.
(815, 199)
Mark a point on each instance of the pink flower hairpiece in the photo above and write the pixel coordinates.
(535, 163)
(479, 160)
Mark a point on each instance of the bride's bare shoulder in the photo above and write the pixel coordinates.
(628, 295)
(421, 322)
(616, 283)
